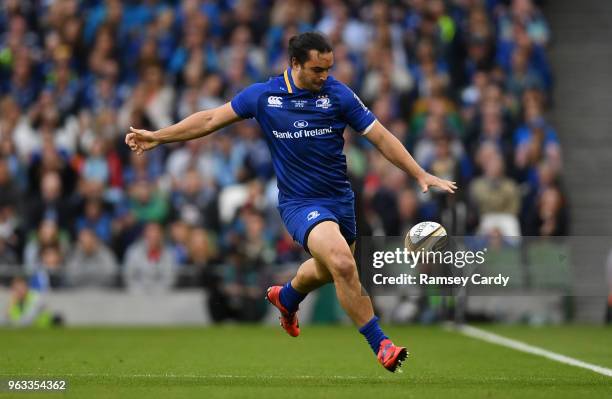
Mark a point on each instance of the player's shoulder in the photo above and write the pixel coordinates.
(334, 84)
(340, 90)
(261, 87)
(274, 85)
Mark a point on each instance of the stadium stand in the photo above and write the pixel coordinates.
(464, 84)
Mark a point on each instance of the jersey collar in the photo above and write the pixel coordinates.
(291, 88)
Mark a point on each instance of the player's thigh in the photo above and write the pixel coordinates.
(301, 217)
(329, 248)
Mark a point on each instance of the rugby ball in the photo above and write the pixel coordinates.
(428, 236)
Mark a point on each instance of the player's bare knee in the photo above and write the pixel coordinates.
(342, 266)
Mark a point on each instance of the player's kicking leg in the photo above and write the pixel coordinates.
(327, 246)
(330, 249)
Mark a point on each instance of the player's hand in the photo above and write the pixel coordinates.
(430, 180)
(140, 140)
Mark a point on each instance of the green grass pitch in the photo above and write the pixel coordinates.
(325, 362)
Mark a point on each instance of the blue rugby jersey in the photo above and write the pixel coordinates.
(303, 130)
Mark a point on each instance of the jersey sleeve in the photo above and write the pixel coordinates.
(354, 111)
(245, 102)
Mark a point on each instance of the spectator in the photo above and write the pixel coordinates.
(238, 294)
(194, 46)
(15, 127)
(435, 130)
(429, 71)
(257, 162)
(228, 161)
(241, 50)
(51, 205)
(522, 76)
(194, 203)
(258, 245)
(479, 41)
(147, 203)
(546, 177)
(180, 233)
(534, 52)
(64, 86)
(189, 96)
(104, 53)
(27, 308)
(549, 217)
(49, 273)
(496, 198)
(535, 141)
(10, 236)
(337, 22)
(8, 256)
(11, 195)
(91, 264)
(152, 97)
(384, 76)
(444, 163)
(48, 234)
(211, 93)
(492, 131)
(526, 13)
(149, 265)
(148, 167)
(287, 252)
(96, 166)
(440, 109)
(408, 210)
(201, 249)
(21, 85)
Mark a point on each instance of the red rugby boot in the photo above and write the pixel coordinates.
(289, 321)
(391, 356)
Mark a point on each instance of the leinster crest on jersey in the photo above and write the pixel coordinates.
(323, 102)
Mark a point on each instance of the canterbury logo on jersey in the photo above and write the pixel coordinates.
(275, 101)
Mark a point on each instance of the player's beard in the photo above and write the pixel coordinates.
(317, 85)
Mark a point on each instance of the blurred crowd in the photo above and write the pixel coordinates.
(464, 84)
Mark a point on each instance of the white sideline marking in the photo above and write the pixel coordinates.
(534, 350)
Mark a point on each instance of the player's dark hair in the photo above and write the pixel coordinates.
(300, 45)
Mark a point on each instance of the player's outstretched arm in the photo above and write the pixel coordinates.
(196, 125)
(397, 154)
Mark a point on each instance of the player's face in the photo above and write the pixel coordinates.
(314, 72)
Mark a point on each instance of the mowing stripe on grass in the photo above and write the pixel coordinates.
(534, 350)
(193, 376)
